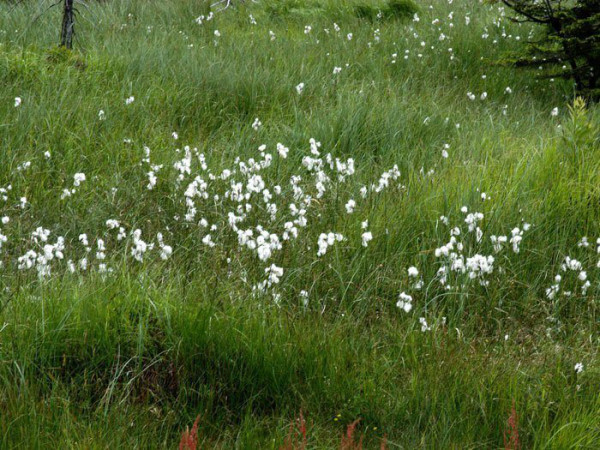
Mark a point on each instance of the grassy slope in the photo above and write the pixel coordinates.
(132, 359)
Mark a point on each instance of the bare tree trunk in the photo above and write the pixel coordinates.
(68, 22)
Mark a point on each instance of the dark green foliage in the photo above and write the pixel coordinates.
(393, 9)
(366, 11)
(570, 46)
(401, 8)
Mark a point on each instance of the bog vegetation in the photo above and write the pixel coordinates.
(285, 222)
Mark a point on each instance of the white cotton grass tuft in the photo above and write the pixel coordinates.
(404, 302)
(350, 205)
(366, 237)
(275, 202)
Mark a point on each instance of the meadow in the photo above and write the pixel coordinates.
(342, 209)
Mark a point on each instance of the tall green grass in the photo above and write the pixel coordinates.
(130, 360)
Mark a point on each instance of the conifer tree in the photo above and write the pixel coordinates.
(570, 46)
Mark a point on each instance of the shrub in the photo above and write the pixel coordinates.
(401, 8)
(365, 11)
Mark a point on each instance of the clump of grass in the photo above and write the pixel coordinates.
(393, 9)
(294, 9)
(401, 9)
(366, 11)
